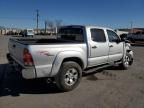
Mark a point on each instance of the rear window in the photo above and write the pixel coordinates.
(30, 30)
(73, 34)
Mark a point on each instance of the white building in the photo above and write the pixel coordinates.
(5, 31)
(122, 31)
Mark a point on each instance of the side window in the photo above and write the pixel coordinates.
(98, 35)
(113, 37)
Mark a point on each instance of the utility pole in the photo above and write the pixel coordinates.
(131, 27)
(37, 21)
(45, 27)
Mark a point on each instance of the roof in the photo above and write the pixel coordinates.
(87, 26)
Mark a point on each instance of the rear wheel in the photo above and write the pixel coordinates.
(69, 76)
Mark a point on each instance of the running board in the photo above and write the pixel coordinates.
(98, 68)
(95, 69)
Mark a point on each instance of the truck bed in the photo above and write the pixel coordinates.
(42, 41)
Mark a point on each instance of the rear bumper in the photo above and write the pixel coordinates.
(27, 72)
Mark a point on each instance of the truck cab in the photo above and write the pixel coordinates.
(105, 46)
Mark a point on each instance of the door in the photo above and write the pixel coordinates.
(115, 46)
(98, 47)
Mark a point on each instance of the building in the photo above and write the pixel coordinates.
(1, 30)
(130, 31)
(9, 31)
(122, 31)
(137, 31)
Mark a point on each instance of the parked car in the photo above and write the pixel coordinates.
(77, 50)
(28, 33)
(135, 37)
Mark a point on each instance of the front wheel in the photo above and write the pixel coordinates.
(69, 76)
(127, 61)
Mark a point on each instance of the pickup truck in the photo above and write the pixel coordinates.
(77, 49)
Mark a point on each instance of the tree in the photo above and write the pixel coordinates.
(50, 24)
(58, 23)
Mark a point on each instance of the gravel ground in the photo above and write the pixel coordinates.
(111, 88)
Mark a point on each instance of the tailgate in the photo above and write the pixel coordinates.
(16, 50)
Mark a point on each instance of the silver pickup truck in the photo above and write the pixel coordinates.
(76, 50)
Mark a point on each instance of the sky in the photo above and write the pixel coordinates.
(107, 13)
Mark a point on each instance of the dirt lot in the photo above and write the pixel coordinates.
(111, 88)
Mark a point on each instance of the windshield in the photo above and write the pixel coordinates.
(73, 34)
(29, 31)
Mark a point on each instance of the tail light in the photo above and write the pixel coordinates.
(27, 58)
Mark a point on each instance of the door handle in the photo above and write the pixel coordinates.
(111, 46)
(94, 46)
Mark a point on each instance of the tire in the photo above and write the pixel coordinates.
(127, 61)
(69, 76)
